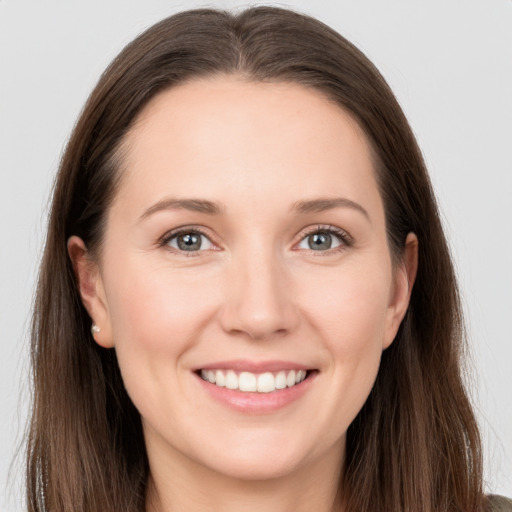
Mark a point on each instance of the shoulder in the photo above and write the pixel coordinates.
(498, 504)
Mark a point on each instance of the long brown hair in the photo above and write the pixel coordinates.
(413, 447)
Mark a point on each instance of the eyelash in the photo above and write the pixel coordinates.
(166, 239)
(344, 238)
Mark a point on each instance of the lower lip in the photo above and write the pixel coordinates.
(257, 403)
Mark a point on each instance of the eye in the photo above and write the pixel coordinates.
(188, 241)
(324, 239)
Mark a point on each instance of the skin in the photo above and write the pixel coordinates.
(256, 291)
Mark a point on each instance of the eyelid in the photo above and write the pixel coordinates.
(344, 237)
(164, 240)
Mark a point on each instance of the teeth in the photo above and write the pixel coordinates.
(220, 378)
(231, 380)
(281, 380)
(252, 382)
(247, 381)
(266, 383)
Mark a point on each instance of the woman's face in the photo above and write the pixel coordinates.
(246, 246)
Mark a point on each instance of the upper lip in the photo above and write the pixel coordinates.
(243, 365)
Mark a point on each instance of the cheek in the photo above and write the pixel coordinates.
(156, 307)
(350, 316)
(156, 316)
(350, 308)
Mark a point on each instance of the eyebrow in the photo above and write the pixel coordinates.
(323, 204)
(194, 205)
(213, 208)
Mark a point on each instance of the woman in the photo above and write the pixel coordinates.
(246, 299)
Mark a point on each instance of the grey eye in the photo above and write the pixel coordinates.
(320, 241)
(190, 242)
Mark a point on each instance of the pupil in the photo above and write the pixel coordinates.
(320, 241)
(189, 242)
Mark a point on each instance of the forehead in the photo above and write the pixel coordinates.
(222, 135)
(233, 102)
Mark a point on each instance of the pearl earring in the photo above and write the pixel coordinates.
(95, 329)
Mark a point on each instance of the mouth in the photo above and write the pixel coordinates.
(249, 382)
(256, 387)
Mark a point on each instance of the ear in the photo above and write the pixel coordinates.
(91, 290)
(403, 281)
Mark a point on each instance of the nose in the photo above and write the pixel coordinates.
(259, 300)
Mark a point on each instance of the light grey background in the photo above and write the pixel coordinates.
(450, 64)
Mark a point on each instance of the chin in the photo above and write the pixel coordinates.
(257, 457)
(255, 469)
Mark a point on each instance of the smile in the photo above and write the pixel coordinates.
(249, 382)
(256, 387)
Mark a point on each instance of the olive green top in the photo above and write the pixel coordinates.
(499, 504)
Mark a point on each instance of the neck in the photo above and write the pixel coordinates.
(181, 484)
